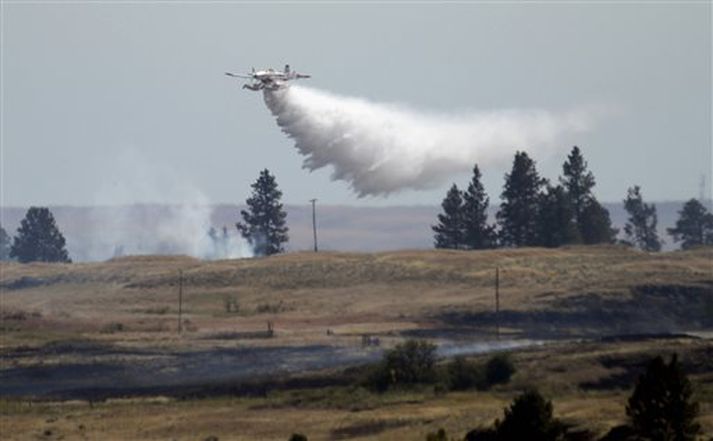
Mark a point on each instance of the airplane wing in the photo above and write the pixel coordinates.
(230, 74)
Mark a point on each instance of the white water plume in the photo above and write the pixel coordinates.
(382, 148)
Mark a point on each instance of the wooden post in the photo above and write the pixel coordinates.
(180, 299)
(314, 223)
(497, 302)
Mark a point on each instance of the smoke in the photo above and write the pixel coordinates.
(127, 221)
(382, 148)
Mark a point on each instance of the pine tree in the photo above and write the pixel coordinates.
(519, 210)
(661, 409)
(578, 182)
(595, 226)
(5, 243)
(264, 222)
(478, 234)
(556, 225)
(640, 230)
(450, 232)
(694, 226)
(38, 238)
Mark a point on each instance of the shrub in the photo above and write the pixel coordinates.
(498, 370)
(409, 363)
(437, 436)
(298, 437)
(529, 417)
(463, 374)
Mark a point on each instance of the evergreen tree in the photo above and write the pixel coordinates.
(478, 234)
(264, 222)
(450, 232)
(640, 229)
(578, 182)
(595, 226)
(556, 224)
(661, 409)
(694, 226)
(38, 238)
(519, 210)
(530, 417)
(5, 243)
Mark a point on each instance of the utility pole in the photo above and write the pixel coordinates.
(314, 223)
(180, 299)
(497, 302)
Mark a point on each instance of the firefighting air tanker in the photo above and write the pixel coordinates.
(269, 79)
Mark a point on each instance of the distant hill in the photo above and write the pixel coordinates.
(98, 233)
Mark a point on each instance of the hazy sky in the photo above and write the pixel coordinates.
(109, 103)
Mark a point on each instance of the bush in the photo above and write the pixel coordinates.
(298, 437)
(498, 370)
(529, 417)
(437, 436)
(409, 363)
(463, 374)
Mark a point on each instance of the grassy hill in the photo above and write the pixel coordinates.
(89, 321)
(544, 292)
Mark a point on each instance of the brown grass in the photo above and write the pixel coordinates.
(349, 291)
(350, 294)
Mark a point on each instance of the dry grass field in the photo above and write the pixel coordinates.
(588, 383)
(569, 296)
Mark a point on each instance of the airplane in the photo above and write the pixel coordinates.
(269, 79)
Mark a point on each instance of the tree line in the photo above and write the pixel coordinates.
(535, 212)
(532, 212)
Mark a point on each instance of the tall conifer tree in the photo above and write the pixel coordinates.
(449, 231)
(478, 234)
(640, 229)
(694, 226)
(518, 215)
(264, 223)
(38, 239)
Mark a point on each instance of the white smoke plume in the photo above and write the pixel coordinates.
(382, 148)
(127, 220)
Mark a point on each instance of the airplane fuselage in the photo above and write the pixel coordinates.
(269, 79)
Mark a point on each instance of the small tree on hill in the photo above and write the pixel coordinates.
(640, 229)
(478, 234)
(520, 199)
(661, 409)
(38, 238)
(5, 243)
(694, 226)
(450, 232)
(264, 222)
